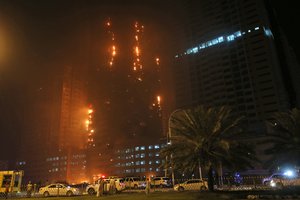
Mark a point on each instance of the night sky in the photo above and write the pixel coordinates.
(38, 36)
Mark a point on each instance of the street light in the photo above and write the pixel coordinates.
(169, 139)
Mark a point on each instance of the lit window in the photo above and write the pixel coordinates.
(150, 147)
(142, 162)
(256, 28)
(157, 161)
(209, 43)
(142, 148)
(215, 41)
(195, 50)
(142, 155)
(157, 154)
(268, 32)
(137, 148)
(137, 155)
(189, 51)
(156, 147)
(202, 46)
(157, 169)
(230, 38)
(238, 34)
(221, 39)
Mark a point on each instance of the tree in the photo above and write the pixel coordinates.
(284, 138)
(206, 137)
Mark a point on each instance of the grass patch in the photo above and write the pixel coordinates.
(140, 196)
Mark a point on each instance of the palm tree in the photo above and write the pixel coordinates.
(206, 137)
(284, 138)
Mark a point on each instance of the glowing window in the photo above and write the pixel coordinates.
(221, 39)
(189, 51)
(202, 46)
(195, 50)
(230, 38)
(238, 34)
(156, 147)
(209, 43)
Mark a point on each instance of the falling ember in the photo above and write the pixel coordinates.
(158, 99)
(137, 64)
(137, 53)
(157, 61)
(89, 128)
(112, 50)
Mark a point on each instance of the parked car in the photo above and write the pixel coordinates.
(58, 189)
(266, 181)
(161, 182)
(285, 181)
(120, 186)
(135, 182)
(193, 184)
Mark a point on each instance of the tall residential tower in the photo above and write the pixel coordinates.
(231, 57)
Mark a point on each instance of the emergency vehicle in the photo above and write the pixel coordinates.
(13, 178)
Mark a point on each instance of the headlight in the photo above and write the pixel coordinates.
(272, 183)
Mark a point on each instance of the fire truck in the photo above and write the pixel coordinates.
(13, 178)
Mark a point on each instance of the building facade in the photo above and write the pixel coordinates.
(55, 128)
(231, 58)
(142, 161)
